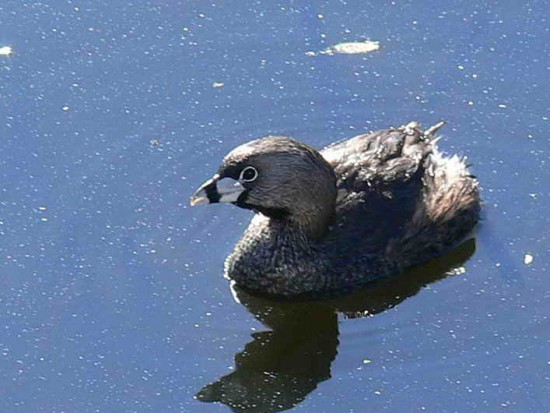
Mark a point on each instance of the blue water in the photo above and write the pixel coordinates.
(111, 290)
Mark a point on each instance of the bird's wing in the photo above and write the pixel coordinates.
(379, 159)
(379, 180)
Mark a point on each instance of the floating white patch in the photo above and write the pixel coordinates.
(366, 46)
(6, 51)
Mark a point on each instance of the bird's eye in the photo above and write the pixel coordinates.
(248, 174)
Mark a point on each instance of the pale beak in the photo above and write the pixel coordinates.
(199, 198)
(217, 190)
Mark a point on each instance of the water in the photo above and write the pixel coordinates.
(111, 289)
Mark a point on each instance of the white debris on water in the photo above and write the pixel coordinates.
(457, 271)
(528, 259)
(218, 84)
(361, 47)
(6, 51)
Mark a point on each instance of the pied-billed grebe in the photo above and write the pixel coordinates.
(334, 220)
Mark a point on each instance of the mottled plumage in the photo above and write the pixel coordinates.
(332, 221)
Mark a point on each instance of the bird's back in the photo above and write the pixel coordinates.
(400, 202)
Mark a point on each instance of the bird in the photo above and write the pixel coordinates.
(332, 221)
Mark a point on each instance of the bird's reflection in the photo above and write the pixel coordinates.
(280, 367)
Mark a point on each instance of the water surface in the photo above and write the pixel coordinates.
(111, 289)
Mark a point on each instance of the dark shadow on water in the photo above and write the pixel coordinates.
(279, 368)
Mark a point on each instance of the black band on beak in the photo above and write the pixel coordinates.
(218, 190)
(212, 193)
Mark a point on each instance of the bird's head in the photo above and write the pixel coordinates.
(279, 177)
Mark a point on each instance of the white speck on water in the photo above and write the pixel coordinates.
(502, 106)
(367, 361)
(42, 208)
(361, 47)
(528, 259)
(457, 271)
(66, 108)
(6, 51)
(218, 84)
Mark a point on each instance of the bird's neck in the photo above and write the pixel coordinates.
(310, 221)
(312, 226)
(275, 257)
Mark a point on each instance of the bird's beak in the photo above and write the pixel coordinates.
(217, 190)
